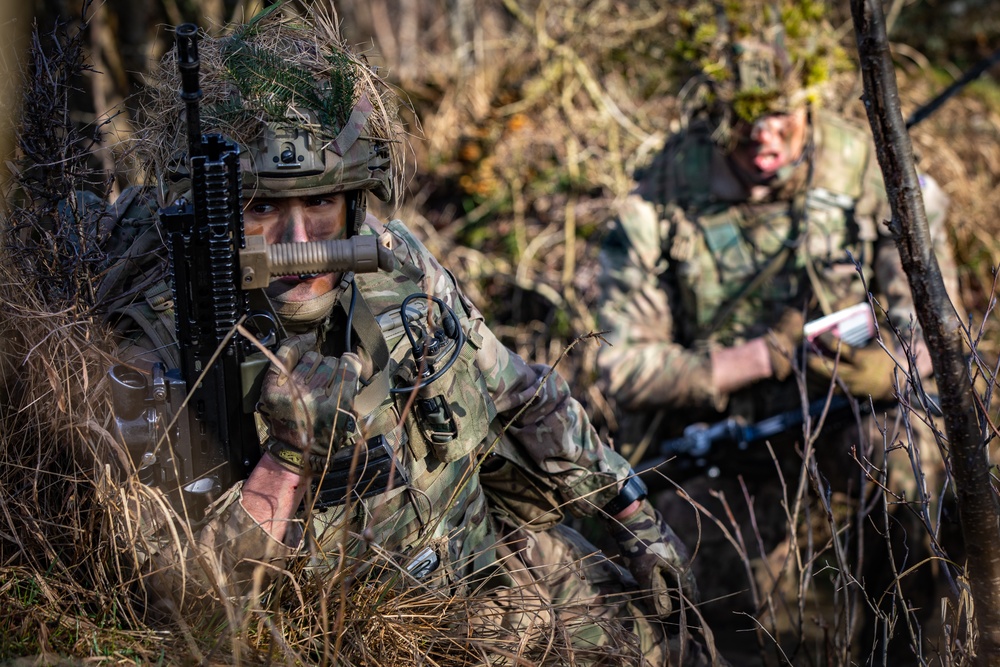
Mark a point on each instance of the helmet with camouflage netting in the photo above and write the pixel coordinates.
(311, 117)
(744, 60)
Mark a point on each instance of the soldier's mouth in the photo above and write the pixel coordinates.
(768, 162)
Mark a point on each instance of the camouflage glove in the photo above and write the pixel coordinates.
(655, 556)
(865, 371)
(310, 411)
(782, 342)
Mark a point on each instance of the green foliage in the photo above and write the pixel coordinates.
(268, 82)
(800, 18)
(561, 326)
(35, 623)
(793, 35)
(752, 104)
(987, 90)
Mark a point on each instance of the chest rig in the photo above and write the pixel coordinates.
(736, 266)
(427, 399)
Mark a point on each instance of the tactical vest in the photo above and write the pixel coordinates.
(436, 500)
(440, 503)
(736, 266)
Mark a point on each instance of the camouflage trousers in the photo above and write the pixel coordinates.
(798, 554)
(565, 595)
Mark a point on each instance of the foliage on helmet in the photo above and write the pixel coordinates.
(282, 74)
(714, 44)
(268, 87)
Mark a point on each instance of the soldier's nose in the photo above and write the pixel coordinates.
(295, 225)
(764, 130)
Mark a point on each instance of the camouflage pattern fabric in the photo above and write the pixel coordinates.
(506, 410)
(689, 240)
(674, 269)
(607, 615)
(650, 558)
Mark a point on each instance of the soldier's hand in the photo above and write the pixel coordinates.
(655, 556)
(308, 402)
(864, 371)
(782, 342)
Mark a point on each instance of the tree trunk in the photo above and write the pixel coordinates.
(977, 503)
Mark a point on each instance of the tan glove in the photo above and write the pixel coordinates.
(655, 556)
(310, 409)
(783, 341)
(864, 371)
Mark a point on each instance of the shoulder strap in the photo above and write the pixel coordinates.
(369, 334)
(725, 310)
(152, 315)
(842, 155)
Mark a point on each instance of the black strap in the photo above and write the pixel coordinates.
(632, 490)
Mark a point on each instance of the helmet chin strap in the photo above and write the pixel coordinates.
(302, 315)
(357, 209)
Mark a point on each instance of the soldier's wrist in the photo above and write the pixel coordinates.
(739, 366)
(288, 457)
(631, 495)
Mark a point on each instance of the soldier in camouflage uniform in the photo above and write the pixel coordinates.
(483, 463)
(754, 218)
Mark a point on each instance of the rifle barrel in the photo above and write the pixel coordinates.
(188, 64)
(970, 75)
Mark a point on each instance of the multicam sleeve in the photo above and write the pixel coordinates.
(644, 367)
(534, 403)
(231, 555)
(536, 406)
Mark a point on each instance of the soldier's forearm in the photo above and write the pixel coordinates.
(739, 366)
(271, 495)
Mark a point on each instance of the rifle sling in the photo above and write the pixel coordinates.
(724, 311)
(796, 234)
(370, 337)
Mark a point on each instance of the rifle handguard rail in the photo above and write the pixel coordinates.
(261, 262)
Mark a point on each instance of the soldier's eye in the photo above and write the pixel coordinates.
(260, 208)
(318, 201)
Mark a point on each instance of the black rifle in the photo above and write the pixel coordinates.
(697, 449)
(967, 77)
(194, 426)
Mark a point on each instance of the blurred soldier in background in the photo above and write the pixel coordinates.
(763, 214)
(475, 466)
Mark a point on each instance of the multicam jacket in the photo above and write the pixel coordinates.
(692, 262)
(543, 454)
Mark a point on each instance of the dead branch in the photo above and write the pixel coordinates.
(977, 502)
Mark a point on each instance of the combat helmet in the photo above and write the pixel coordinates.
(310, 116)
(744, 60)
